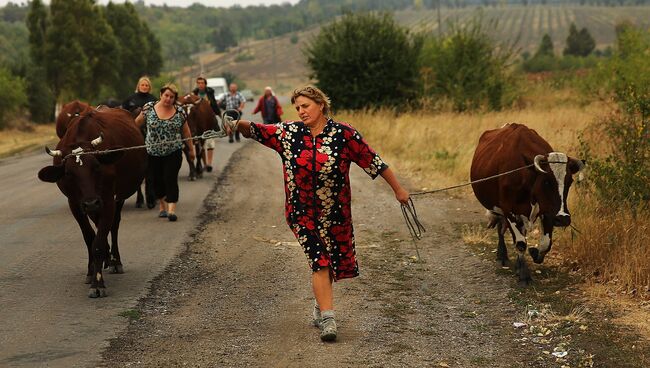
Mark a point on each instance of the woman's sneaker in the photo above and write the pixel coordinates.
(327, 326)
(316, 314)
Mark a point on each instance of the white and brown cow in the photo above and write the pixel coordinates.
(515, 201)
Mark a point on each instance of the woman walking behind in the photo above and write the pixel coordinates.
(270, 107)
(166, 124)
(134, 104)
(316, 154)
(141, 96)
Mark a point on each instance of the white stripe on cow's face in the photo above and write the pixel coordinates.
(557, 162)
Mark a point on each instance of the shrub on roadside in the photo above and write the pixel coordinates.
(14, 96)
(468, 68)
(366, 61)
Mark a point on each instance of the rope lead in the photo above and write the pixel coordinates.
(413, 224)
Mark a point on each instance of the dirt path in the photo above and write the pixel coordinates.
(240, 295)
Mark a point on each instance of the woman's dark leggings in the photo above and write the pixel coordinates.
(164, 170)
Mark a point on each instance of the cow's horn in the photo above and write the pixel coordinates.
(55, 153)
(538, 161)
(97, 141)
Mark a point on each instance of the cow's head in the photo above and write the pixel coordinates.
(82, 175)
(189, 102)
(550, 193)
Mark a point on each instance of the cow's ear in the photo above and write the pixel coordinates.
(576, 165)
(110, 158)
(51, 174)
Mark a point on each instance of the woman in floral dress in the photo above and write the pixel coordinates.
(316, 154)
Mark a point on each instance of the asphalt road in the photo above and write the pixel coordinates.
(46, 318)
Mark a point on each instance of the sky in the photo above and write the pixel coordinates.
(216, 3)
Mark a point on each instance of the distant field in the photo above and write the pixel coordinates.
(530, 23)
(527, 24)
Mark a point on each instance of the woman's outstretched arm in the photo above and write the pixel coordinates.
(400, 193)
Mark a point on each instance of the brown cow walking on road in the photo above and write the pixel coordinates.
(200, 118)
(517, 200)
(97, 184)
(70, 111)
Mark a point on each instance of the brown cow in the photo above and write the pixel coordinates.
(515, 201)
(97, 184)
(68, 112)
(200, 118)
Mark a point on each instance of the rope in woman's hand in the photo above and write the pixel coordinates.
(413, 223)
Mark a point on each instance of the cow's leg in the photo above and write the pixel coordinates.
(100, 249)
(87, 232)
(545, 241)
(190, 163)
(198, 149)
(502, 251)
(115, 262)
(520, 244)
(139, 199)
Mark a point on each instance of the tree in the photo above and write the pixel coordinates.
(223, 38)
(545, 47)
(468, 68)
(366, 61)
(139, 49)
(579, 43)
(40, 99)
(81, 50)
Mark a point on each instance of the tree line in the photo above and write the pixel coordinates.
(71, 49)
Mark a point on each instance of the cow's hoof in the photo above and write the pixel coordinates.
(525, 282)
(89, 279)
(191, 178)
(151, 205)
(116, 269)
(138, 204)
(97, 293)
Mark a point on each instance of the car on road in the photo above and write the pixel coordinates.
(219, 85)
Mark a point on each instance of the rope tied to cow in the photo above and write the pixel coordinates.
(410, 214)
(208, 134)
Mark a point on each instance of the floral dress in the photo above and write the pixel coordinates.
(163, 136)
(317, 188)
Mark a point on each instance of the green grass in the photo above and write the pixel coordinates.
(131, 314)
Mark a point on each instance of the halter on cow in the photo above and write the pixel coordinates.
(517, 200)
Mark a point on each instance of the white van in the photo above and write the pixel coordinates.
(219, 85)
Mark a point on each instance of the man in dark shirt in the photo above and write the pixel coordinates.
(202, 90)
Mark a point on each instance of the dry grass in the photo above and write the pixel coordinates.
(436, 149)
(15, 140)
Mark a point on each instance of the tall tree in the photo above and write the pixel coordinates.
(579, 43)
(133, 45)
(40, 99)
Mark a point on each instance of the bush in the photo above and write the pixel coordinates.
(468, 68)
(14, 96)
(366, 61)
(620, 155)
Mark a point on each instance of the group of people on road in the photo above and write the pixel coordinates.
(161, 120)
(316, 153)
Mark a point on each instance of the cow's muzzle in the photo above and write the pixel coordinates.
(91, 205)
(562, 221)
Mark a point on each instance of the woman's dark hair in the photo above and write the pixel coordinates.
(172, 88)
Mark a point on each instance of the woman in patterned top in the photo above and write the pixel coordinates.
(316, 154)
(166, 124)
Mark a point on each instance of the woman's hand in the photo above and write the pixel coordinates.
(402, 195)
